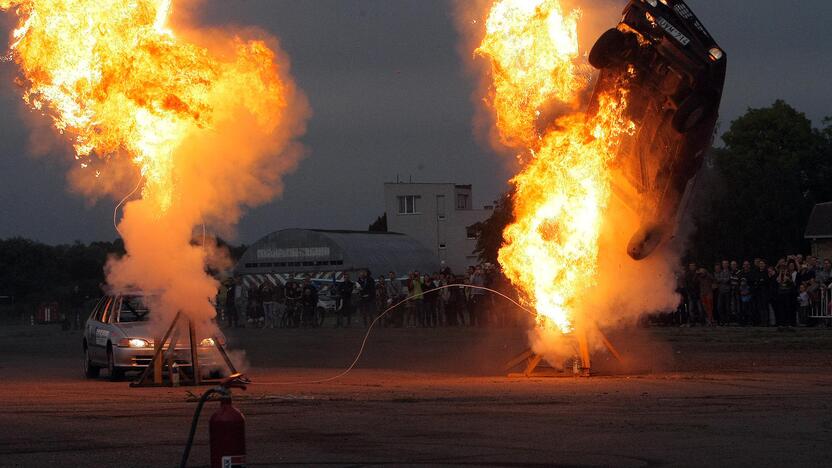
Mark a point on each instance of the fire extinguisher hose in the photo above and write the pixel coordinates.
(202, 400)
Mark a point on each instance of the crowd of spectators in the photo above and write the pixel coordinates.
(414, 300)
(794, 291)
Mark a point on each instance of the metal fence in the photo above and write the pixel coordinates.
(820, 304)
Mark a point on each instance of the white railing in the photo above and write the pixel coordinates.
(820, 305)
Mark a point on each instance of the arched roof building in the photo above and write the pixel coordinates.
(326, 253)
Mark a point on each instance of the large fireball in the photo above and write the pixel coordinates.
(551, 251)
(206, 118)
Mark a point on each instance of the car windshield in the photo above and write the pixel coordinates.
(133, 309)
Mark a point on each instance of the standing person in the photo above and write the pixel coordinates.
(266, 294)
(723, 284)
(393, 291)
(219, 303)
(367, 296)
(771, 294)
(241, 302)
(469, 273)
(706, 291)
(735, 291)
(279, 300)
(430, 301)
(444, 299)
(803, 305)
(693, 293)
(293, 305)
(415, 291)
(723, 303)
(345, 295)
(381, 300)
(760, 290)
(477, 298)
(230, 304)
(76, 303)
(746, 275)
(824, 275)
(784, 297)
(309, 302)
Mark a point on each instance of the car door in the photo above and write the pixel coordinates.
(89, 324)
(97, 333)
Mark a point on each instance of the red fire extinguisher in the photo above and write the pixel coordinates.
(227, 435)
(226, 429)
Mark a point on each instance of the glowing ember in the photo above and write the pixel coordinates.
(550, 253)
(113, 77)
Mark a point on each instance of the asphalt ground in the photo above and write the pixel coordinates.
(438, 397)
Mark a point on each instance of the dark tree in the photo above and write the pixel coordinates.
(379, 225)
(490, 232)
(772, 171)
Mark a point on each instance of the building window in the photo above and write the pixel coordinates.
(407, 204)
(471, 232)
(442, 246)
(461, 201)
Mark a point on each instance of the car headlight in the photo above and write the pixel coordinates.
(207, 342)
(715, 54)
(134, 343)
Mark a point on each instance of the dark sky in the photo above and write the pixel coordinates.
(390, 96)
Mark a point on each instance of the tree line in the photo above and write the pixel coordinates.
(32, 272)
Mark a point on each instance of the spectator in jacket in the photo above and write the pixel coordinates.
(345, 290)
(366, 297)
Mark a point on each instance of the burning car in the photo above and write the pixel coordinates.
(673, 72)
(118, 337)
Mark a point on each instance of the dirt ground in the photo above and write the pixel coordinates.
(693, 397)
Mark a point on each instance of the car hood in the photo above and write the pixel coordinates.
(135, 330)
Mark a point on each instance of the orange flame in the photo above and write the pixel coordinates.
(550, 253)
(113, 76)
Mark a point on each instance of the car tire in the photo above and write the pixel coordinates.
(693, 110)
(115, 373)
(91, 371)
(609, 49)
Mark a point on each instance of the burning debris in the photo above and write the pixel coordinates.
(206, 120)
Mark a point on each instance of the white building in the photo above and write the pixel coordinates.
(439, 216)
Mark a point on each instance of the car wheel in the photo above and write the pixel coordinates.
(692, 111)
(91, 371)
(116, 374)
(609, 49)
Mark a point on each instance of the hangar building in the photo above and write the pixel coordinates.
(324, 254)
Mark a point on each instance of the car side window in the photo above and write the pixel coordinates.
(107, 310)
(99, 308)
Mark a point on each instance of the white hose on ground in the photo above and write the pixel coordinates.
(372, 324)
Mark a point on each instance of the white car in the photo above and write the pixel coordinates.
(117, 336)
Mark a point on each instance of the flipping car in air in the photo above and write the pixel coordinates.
(674, 72)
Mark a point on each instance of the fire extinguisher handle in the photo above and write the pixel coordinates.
(237, 380)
